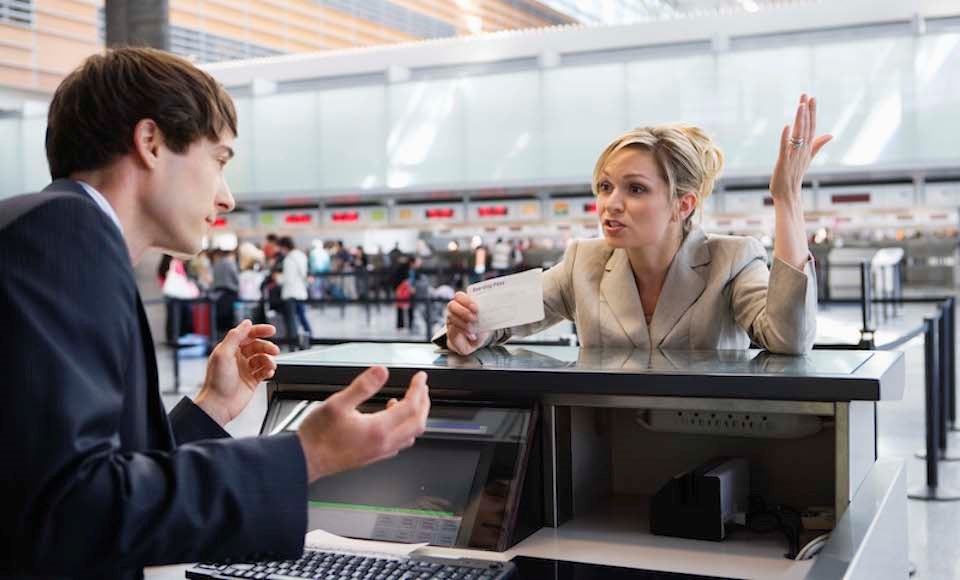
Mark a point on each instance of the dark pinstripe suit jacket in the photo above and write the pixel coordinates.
(93, 482)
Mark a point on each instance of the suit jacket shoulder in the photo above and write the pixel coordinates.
(734, 253)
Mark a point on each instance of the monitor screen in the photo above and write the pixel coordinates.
(420, 495)
(457, 486)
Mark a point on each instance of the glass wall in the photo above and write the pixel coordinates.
(891, 102)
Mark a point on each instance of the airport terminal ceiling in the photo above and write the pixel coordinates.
(502, 115)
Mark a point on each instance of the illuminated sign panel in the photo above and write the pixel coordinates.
(590, 207)
(296, 219)
(493, 211)
(439, 213)
(345, 216)
(850, 198)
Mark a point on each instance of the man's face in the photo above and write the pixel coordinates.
(188, 191)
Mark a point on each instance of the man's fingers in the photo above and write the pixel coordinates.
(261, 360)
(396, 420)
(237, 335)
(418, 386)
(257, 346)
(264, 373)
(362, 388)
(262, 331)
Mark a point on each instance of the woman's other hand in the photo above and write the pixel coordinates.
(798, 147)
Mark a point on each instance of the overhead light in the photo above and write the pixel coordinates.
(750, 5)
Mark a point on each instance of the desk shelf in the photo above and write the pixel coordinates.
(617, 533)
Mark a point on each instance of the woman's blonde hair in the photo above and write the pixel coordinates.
(687, 158)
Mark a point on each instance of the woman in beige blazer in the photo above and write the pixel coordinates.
(656, 280)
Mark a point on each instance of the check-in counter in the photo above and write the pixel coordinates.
(592, 434)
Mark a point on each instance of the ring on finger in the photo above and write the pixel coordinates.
(796, 142)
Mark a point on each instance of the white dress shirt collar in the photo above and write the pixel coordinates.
(103, 203)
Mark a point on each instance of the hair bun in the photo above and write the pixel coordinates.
(711, 158)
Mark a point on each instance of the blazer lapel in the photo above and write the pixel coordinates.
(682, 287)
(619, 289)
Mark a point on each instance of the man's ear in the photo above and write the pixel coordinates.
(147, 140)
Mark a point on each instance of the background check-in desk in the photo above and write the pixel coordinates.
(554, 452)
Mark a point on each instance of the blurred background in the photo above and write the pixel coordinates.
(402, 149)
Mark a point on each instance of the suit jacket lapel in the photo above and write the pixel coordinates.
(619, 289)
(162, 435)
(682, 287)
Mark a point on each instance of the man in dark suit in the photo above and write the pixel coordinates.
(95, 481)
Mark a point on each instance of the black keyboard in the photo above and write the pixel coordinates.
(331, 565)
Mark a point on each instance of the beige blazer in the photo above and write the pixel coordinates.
(718, 294)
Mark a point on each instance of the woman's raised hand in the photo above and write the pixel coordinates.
(798, 147)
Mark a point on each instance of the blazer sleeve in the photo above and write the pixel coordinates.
(73, 500)
(777, 307)
(558, 303)
(558, 299)
(191, 423)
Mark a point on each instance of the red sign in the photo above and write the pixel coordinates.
(439, 213)
(220, 222)
(298, 218)
(345, 216)
(850, 198)
(590, 207)
(492, 211)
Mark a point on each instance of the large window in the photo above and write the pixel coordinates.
(394, 16)
(201, 46)
(16, 12)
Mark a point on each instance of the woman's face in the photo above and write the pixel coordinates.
(633, 201)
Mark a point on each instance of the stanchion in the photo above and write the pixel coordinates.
(932, 491)
(428, 318)
(941, 373)
(946, 370)
(175, 310)
(950, 312)
(212, 305)
(867, 330)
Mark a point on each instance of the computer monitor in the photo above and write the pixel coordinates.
(459, 485)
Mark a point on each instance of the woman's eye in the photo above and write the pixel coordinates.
(637, 189)
(605, 186)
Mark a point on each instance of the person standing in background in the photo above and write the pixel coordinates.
(270, 247)
(293, 283)
(226, 287)
(501, 256)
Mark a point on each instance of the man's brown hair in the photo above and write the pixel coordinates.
(96, 108)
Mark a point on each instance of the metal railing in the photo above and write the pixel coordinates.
(940, 384)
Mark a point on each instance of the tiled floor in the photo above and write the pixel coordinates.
(934, 527)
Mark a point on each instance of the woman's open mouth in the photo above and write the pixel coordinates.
(612, 226)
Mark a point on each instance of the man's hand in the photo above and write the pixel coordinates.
(337, 437)
(236, 366)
